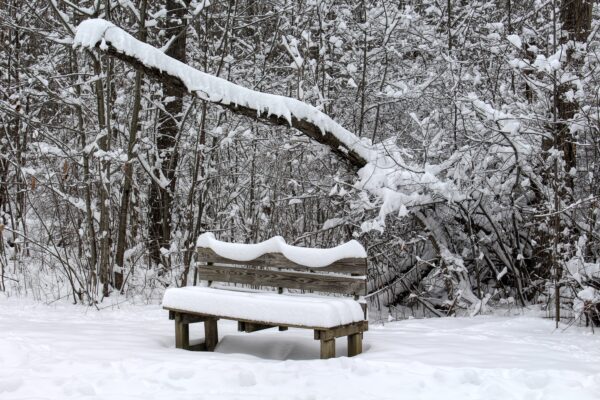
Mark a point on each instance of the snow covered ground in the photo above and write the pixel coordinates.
(63, 351)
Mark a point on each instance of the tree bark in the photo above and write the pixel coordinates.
(127, 184)
(161, 198)
(576, 18)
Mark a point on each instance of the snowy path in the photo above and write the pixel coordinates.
(63, 352)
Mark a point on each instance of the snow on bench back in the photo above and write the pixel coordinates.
(308, 257)
(274, 263)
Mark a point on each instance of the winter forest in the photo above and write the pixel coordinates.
(457, 141)
(486, 113)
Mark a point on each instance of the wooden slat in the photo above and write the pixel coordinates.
(340, 331)
(186, 318)
(250, 327)
(278, 260)
(290, 280)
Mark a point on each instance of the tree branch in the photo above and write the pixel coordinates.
(308, 128)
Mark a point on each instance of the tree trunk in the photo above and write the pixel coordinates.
(576, 18)
(161, 198)
(127, 184)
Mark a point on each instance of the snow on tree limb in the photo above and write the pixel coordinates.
(268, 108)
(381, 169)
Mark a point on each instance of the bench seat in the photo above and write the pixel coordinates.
(306, 311)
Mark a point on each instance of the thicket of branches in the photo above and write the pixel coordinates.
(107, 176)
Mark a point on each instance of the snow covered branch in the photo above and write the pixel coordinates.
(381, 171)
(267, 108)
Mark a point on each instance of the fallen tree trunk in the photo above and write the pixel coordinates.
(117, 43)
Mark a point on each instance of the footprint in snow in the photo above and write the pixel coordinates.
(86, 389)
(246, 378)
(180, 373)
(472, 377)
(536, 381)
(10, 385)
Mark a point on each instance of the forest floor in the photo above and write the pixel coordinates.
(63, 351)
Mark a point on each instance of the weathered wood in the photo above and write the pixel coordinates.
(291, 280)
(272, 270)
(354, 344)
(192, 319)
(327, 349)
(325, 336)
(208, 264)
(250, 327)
(187, 318)
(247, 320)
(341, 331)
(356, 266)
(211, 334)
(197, 347)
(182, 332)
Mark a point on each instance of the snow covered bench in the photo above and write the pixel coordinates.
(341, 271)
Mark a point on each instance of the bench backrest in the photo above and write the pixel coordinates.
(345, 276)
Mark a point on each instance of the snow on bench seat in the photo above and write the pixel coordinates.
(268, 308)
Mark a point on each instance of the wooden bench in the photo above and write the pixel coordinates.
(329, 316)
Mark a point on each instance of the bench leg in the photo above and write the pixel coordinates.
(211, 334)
(354, 344)
(182, 333)
(327, 348)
